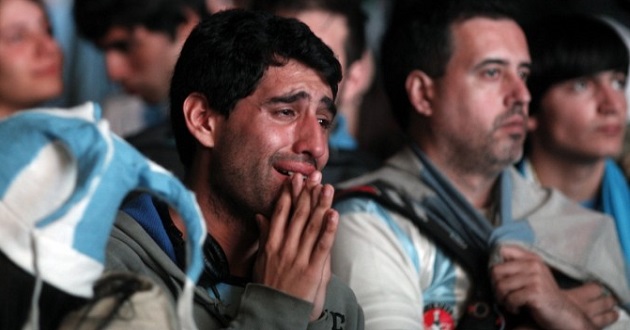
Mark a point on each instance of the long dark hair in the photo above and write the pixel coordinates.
(569, 47)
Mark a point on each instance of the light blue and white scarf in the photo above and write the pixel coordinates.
(62, 179)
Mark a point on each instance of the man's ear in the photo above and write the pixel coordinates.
(420, 91)
(200, 119)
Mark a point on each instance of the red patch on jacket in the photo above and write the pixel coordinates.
(438, 317)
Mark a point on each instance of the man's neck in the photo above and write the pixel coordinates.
(579, 180)
(474, 183)
(475, 187)
(235, 235)
(239, 243)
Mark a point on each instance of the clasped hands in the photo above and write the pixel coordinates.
(295, 244)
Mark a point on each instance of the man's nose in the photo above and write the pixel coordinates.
(117, 66)
(311, 139)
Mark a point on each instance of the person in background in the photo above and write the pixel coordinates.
(30, 58)
(578, 114)
(252, 103)
(141, 40)
(341, 25)
(447, 233)
(214, 6)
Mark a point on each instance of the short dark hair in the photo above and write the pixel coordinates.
(568, 47)
(94, 18)
(227, 54)
(419, 37)
(351, 10)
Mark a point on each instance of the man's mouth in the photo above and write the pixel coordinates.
(291, 167)
(287, 173)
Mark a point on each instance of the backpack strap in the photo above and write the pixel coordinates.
(386, 195)
(481, 311)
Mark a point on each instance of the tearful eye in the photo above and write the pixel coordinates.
(285, 112)
(325, 123)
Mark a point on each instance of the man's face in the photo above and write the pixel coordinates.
(584, 119)
(281, 129)
(141, 60)
(480, 104)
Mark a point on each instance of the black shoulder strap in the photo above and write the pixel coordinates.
(389, 197)
(481, 311)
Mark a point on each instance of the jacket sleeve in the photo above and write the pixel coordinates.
(261, 307)
(341, 310)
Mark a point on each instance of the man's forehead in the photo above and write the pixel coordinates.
(294, 76)
(482, 38)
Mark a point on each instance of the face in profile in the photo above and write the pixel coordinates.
(584, 118)
(30, 59)
(141, 60)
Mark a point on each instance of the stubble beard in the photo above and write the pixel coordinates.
(229, 200)
(502, 153)
(493, 154)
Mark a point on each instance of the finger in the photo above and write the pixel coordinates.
(514, 300)
(312, 229)
(297, 185)
(522, 275)
(586, 292)
(505, 286)
(605, 319)
(301, 213)
(314, 179)
(603, 304)
(326, 200)
(278, 222)
(513, 252)
(324, 196)
(511, 268)
(321, 251)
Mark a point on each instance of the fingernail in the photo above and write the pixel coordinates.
(328, 190)
(315, 176)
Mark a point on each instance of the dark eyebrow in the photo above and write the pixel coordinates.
(501, 62)
(121, 45)
(491, 61)
(289, 98)
(302, 95)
